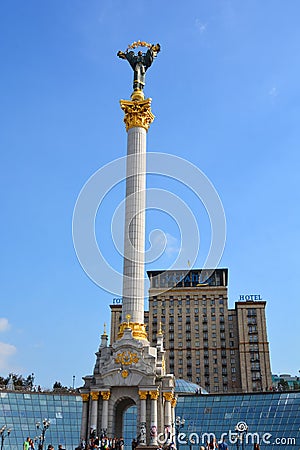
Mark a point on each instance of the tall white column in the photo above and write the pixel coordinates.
(138, 117)
(134, 238)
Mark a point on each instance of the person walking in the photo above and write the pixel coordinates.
(223, 445)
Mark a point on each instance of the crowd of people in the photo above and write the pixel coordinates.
(102, 443)
(29, 444)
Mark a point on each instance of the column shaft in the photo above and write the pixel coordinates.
(104, 423)
(134, 237)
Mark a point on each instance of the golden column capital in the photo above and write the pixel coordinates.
(105, 395)
(168, 396)
(85, 397)
(94, 395)
(173, 402)
(143, 395)
(154, 395)
(137, 113)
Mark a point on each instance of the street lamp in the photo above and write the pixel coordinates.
(179, 423)
(46, 425)
(4, 433)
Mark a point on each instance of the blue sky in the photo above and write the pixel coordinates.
(225, 92)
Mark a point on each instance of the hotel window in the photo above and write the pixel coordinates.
(212, 302)
(229, 317)
(232, 352)
(233, 370)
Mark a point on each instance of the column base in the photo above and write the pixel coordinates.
(138, 330)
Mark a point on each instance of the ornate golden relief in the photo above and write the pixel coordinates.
(168, 396)
(138, 330)
(139, 44)
(126, 358)
(85, 397)
(95, 395)
(137, 113)
(154, 395)
(105, 395)
(125, 373)
(143, 395)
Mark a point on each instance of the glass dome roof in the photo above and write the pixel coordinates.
(184, 387)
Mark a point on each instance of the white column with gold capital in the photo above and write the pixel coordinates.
(138, 117)
(94, 410)
(84, 421)
(153, 430)
(105, 397)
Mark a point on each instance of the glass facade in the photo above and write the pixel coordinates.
(21, 411)
(272, 418)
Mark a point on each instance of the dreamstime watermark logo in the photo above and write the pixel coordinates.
(239, 436)
(101, 184)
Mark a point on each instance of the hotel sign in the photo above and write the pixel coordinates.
(251, 297)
